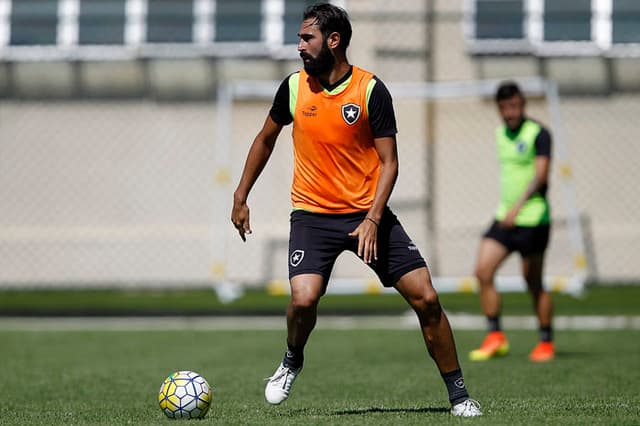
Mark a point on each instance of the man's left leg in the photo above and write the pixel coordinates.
(418, 291)
(532, 267)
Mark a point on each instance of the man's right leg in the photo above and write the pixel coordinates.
(491, 254)
(306, 290)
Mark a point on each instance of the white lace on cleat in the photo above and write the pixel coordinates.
(467, 408)
(279, 385)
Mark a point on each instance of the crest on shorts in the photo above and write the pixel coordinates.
(296, 257)
(350, 113)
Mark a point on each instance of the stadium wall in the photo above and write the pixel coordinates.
(106, 166)
(91, 194)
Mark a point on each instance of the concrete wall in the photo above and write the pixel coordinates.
(115, 189)
(125, 191)
(389, 38)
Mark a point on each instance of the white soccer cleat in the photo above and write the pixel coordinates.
(279, 385)
(467, 408)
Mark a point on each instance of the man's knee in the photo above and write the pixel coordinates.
(536, 289)
(306, 291)
(304, 302)
(417, 289)
(431, 299)
(484, 275)
(427, 304)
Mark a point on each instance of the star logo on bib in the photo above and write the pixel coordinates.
(350, 113)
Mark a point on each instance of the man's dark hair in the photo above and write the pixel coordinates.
(508, 90)
(330, 19)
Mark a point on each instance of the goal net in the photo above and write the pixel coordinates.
(138, 193)
(445, 196)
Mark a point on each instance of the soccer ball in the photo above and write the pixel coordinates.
(185, 395)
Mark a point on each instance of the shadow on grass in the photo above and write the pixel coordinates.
(391, 410)
(565, 355)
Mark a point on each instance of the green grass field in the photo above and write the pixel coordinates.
(602, 300)
(360, 377)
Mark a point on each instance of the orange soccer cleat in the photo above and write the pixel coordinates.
(544, 351)
(495, 344)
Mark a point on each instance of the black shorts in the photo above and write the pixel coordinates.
(316, 240)
(526, 240)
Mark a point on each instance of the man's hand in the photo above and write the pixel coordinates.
(240, 219)
(259, 154)
(367, 235)
(509, 220)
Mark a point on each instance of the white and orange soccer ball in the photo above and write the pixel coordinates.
(185, 395)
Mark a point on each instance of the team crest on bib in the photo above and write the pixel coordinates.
(350, 113)
(296, 257)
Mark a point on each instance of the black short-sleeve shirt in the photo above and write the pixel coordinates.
(381, 115)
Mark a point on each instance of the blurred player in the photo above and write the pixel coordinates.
(345, 167)
(521, 223)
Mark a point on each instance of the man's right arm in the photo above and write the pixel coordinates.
(259, 154)
(280, 112)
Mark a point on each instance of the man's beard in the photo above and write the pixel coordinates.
(514, 124)
(321, 64)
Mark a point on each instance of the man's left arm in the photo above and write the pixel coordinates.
(540, 179)
(367, 231)
(383, 127)
(388, 152)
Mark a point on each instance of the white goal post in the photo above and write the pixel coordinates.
(466, 187)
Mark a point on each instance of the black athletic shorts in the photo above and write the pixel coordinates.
(527, 240)
(316, 240)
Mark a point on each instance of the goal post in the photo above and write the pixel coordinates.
(464, 200)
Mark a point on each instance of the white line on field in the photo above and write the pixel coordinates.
(400, 322)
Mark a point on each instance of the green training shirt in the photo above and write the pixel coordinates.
(517, 151)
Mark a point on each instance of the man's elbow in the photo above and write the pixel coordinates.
(390, 166)
(542, 179)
